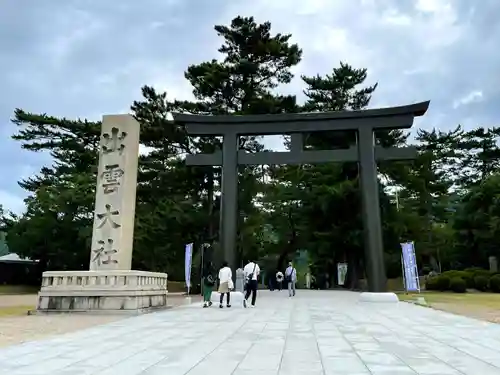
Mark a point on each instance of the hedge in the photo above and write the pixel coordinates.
(495, 283)
(481, 283)
(478, 278)
(432, 283)
(468, 277)
(458, 285)
(443, 283)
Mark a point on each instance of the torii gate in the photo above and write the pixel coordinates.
(364, 122)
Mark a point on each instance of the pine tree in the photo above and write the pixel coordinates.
(253, 63)
(56, 227)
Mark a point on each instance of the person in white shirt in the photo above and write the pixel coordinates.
(225, 284)
(252, 272)
(279, 280)
(291, 279)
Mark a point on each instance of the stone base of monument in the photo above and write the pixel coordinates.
(111, 292)
(236, 299)
(378, 297)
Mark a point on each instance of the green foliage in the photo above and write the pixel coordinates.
(481, 283)
(476, 271)
(458, 285)
(4, 250)
(472, 277)
(468, 277)
(495, 283)
(432, 283)
(477, 223)
(55, 229)
(443, 282)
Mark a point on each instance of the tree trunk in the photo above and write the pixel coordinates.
(338, 257)
(291, 246)
(354, 270)
(210, 192)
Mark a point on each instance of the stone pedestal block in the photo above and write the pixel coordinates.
(102, 291)
(378, 297)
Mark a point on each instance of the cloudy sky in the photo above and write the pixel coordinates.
(90, 57)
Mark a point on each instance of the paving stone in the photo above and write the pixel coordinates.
(317, 332)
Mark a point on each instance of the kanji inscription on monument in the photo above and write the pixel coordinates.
(103, 254)
(113, 141)
(111, 178)
(113, 231)
(107, 217)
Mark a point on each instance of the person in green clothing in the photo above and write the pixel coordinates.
(208, 284)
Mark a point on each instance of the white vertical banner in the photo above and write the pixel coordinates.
(410, 275)
(341, 273)
(187, 265)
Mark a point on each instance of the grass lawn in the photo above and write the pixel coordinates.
(10, 311)
(18, 289)
(478, 300)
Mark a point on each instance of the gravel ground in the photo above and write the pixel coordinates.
(19, 329)
(17, 300)
(481, 313)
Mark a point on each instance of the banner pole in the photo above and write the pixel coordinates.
(416, 267)
(202, 284)
(403, 273)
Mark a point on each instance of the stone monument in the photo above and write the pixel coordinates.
(493, 261)
(110, 285)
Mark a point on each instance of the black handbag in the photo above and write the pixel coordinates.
(250, 275)
(288, 278)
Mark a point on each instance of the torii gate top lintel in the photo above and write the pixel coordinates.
(380, 118)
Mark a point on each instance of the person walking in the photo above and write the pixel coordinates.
(291, 279)
(279, 280)
(252, 271)
(225, 284)
(270, 280)
(208, 284)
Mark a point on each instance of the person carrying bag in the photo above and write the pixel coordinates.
(225, 284)
(252, 271)
(291, 279)
(208, 284)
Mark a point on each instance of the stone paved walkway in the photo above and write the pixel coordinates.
(313, 333)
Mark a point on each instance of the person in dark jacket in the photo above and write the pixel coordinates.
(208, 283)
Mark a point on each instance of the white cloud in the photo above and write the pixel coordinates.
(393, 17)
(390, 42)
(472, 97)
